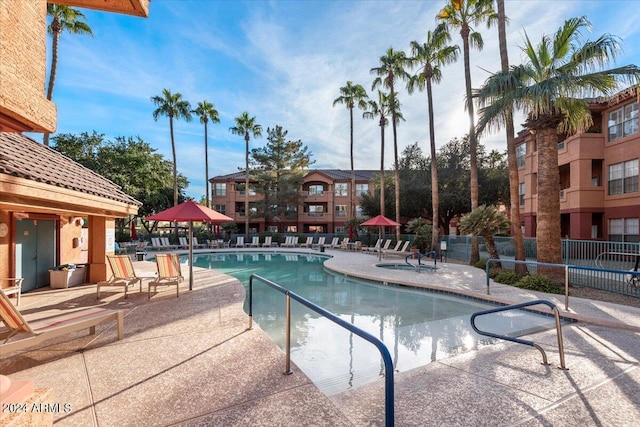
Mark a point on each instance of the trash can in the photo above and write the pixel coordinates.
(141, 256)
(321, 248)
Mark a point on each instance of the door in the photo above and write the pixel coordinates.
(35, 251)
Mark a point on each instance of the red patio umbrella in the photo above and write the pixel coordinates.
(190, 211)
(380, 221)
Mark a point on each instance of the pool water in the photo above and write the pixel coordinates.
(417, 326)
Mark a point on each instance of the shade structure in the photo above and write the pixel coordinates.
(380, 221)
(190, 211)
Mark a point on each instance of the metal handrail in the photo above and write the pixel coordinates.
(519, 340)
(420, 256)
(384, 352)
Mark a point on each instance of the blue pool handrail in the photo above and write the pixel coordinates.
(434, 254)
(384, 352)
(520, 340)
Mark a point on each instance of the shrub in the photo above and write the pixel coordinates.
(481, 263)
(494, 271)
(536, 282)
(508, 277)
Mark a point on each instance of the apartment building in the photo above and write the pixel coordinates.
(598, 170)
(323, 203)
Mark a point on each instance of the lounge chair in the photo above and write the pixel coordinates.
(239, 242)
(268, 242)
(320, 243)
(167, 245)
(372, 248)
(50, 327)
(183, 242)
(290, 242)
(397, 251)
(169, 273)
(345, 243)
(197, 245)
(334, 243)
(255, 242)
(308, 243)
(12, 286)
(123, 274)
(155, 243)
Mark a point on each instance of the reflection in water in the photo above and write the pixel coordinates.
(418, 327)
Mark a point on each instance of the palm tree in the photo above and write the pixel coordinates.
(462, 14)
(173, 106)
(206, 111)
(62, 18)
(516, 230)
(352, 95)
(550, 88)
(246, 126)
(391, 67)
(380, 109)
(431, 57)
(485, 221)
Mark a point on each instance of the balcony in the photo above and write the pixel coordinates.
(315, 196)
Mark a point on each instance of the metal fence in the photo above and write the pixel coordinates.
(593, 260)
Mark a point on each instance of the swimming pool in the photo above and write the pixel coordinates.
(418, 327)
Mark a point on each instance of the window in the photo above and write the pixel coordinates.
(240, 187)
(561, 145)
(624, 230)
(316, 190)
(521, 150)
(341, 189)
(362, 189)
(220, 189)
(341, 210)
(359, 211)
(521, 193)
(221, 208)
(623, 177)
(316, 210)
(623, 121)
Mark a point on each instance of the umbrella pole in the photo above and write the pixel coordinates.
(380, 245)
(190, 255)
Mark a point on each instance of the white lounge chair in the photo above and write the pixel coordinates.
(308, 243)
(255, 242)
(268, 242)
(398, 251)
(334, 243)
(320, 243)
(240, 242)
(373, 248)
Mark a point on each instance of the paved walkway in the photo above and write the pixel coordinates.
(190, 361)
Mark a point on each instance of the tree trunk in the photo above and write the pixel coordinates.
(246, 187)
(382, 166)
(353, 174)
(55, 27)
(548, 219)
(206, 165)
(396, 176)
(473, 143)
(491, 248)
(175, 172)
(514, 180)
(435, 197)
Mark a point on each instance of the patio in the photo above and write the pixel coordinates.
(191, 361)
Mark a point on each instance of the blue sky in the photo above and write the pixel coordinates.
(284, 62)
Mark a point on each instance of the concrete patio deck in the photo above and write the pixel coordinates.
(191, 361)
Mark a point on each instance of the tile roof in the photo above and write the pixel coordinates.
(23, 157)
(335, 174)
